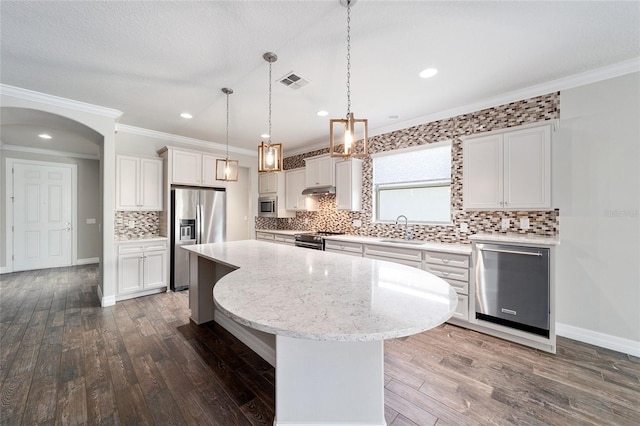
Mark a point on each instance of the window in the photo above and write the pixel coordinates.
(415, 183)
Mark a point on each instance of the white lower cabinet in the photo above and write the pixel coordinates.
(284, 239)
(405, 256)
(454, 269)
(142, 269)
(344, 247)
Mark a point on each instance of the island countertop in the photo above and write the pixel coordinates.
(317, 295)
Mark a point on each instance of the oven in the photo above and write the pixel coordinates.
(313, 240)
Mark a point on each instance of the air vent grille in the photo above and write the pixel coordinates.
(293, 80)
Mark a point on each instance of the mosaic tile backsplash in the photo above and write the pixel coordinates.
(147, 225)
(544, 223)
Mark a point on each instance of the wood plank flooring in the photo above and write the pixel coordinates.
(65, 360)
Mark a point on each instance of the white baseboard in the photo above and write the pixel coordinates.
(105, 301)
(88, 261)
(243, 334)
(5, 270)
(607, 341)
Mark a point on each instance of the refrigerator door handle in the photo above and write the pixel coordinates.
(198, 225)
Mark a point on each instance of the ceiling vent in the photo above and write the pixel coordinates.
(293, 80)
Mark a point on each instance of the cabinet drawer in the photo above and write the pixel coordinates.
(264, 236)
(462, 310)
(394, 260)
(345, 253)
(129, 249)
(285, 239)
(343, 246)
(448, 259)
(157, 247)
(448, 272)
(461, 287)
(393, 253)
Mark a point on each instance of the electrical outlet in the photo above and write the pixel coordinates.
(132, 224)
(524, 223)
(464, 227)
(506, 223)
(357, 223)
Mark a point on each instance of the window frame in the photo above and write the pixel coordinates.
(413, 185)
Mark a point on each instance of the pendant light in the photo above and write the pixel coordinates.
(227, 170)
(269, 154)
(349, 126)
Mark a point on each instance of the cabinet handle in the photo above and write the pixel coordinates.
(445, 260)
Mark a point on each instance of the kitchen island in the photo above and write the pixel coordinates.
(330, 315)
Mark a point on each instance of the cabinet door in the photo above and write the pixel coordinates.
(292, 184)
(129, 273)
(320, 172)
(209, 171)
(267, 183)
(482, 172)
(154, 269)
(527, 168)
(186, 167)
(127, 185)
(150, 184)
(349, 185)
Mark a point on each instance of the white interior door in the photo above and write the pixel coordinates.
(42, 216)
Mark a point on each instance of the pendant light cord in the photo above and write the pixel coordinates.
(227, 127)
(348, 57)
(269, 141)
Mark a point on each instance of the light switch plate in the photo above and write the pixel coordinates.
(357, 223)
(524, 223)
(132, 224)
(506, 223)
(464, 227)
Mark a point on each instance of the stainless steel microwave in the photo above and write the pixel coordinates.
(268, 206)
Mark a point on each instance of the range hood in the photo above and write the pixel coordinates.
(320, 190)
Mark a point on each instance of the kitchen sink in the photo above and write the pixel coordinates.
(402, 242)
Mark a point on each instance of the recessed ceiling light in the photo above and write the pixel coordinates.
(429, 72)
(322, 113)
(186, 115)
(44, 136)
(265, 136)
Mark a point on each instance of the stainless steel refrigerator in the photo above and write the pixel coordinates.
(198, 217)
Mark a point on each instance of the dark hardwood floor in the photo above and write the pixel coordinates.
(65, 360)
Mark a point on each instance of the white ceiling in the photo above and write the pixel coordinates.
(153, 60)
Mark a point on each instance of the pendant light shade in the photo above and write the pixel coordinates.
(344, 142)
(227, 170)
(270, 154)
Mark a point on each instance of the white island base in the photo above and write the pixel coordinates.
(329, 383)
(330, 315)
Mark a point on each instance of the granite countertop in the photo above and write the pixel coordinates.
(415, 244)
(143, 240)
(318, 295)
(522, 239)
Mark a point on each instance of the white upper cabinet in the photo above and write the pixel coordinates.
(508, 170)
(268, 182)
(320, 171)
(138, 183)
(191, 168)
(295, 184)
(349, 184)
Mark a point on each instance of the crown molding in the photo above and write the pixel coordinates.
(305, 149)
(565, 83)
(30, 95)
(182, 139)
(31, 150)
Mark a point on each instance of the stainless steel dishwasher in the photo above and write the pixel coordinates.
(512, 286)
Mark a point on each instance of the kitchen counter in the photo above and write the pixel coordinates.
(511, 238)
(330, 314)
(424, 245)
(281, 231)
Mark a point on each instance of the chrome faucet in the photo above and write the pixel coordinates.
(406, 226)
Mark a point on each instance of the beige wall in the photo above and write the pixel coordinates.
(596, 185)
(88, 199)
